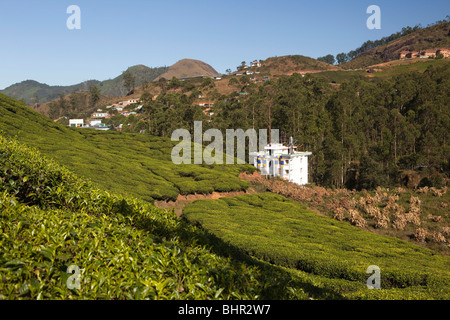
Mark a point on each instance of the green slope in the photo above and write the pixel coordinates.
(280, 231)
(128, 249)
(124, 248)
(127, 163)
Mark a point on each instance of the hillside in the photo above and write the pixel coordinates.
(123, 248)
(141, 73)
(437, 36)
(134, 164)
(189, 68)
(248, 243)
(76, 105)
(287, 65)
(28, 90)
(277, 230)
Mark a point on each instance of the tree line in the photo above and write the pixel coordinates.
(363, 134)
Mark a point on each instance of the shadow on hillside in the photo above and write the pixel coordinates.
(277, 278)
(276, 281)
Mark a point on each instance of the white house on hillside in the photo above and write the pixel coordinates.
(256, 64)
(100, 115)
(285, 162)
(77, 123)
(95, 122)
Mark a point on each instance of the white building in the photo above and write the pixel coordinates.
(94, 123)
(285, 162)
(100, 115)
(77, 123)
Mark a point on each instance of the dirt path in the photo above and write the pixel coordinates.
(182, 201)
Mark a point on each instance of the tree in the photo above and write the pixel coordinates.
(53, 110)
(244, 79)
(162, 83)
(73, 102)
(146, 98)
(36, 101)
(174, 83)
(371, 174)
(94, 95)
(129, 81)
(352, 55)
(207, 83)
(327, 59)
(341, 58)
(228, 71)
(62, 102)
(188, 86)
(233, 81)
(145, 85)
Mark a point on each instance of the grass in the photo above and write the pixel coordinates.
(397, 69)
(277, 230)
(383, 72)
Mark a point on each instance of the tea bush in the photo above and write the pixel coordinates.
(125, 248)
(133, 164)
(282, 232)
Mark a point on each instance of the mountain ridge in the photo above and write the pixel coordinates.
(32, 91)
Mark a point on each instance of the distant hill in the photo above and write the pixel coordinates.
(189, 68)
(437, 36)
(292, 64)
(141, 73)
(29, 89)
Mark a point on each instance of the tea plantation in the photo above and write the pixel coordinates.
(78, 197)
(124, 248)
(282, 232)
(134, 164)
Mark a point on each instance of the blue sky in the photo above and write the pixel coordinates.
(37, 45)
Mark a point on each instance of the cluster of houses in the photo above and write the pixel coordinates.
(254, 64)
(429, 53)
(122, 105)
(91, 124)
(95, 121)
(247, 73)
(256, 80)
